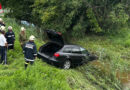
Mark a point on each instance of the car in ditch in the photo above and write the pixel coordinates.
(64, 55)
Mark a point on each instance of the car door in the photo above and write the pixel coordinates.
(85, 54)
(66, 53)
(76, 55)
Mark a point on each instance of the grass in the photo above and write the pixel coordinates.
(96, 75)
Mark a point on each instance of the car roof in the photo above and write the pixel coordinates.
(71, 45)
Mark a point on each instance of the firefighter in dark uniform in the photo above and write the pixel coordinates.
(10, 36)
(3, 46)
(30, 51)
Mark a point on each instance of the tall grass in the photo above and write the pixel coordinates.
(113, 57)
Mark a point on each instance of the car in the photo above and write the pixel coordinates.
(65, 55)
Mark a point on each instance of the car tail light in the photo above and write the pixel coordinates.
(56, 54)
(59, 33)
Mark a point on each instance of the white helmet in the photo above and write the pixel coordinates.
(32, 37)
(23, 29)
(2, 28)
(1, 19)
(10, 27)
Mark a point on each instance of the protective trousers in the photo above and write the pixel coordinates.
(27, 62)
(11, 46)
(3, 53)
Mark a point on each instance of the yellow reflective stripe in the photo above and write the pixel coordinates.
(26, 63)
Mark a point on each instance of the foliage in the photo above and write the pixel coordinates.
(118, 16)
(73, 16)
(76, 16)
(20, 10)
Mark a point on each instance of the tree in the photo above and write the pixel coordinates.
(20, 10)
(74, 16)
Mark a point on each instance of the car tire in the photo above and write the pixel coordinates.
(66, 64)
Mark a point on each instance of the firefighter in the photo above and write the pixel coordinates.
(22, 37)
(10, 36)
(2, 22)
(30, 51)
(3, 46)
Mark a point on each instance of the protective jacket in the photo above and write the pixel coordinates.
(2, 24)
(30, 51)
(22, 38)
(10, 36)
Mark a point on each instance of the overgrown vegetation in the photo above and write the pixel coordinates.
(95, 75)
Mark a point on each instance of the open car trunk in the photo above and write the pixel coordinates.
(50, 48)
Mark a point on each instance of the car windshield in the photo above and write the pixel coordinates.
(83, 50)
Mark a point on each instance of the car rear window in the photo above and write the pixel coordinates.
(67, 50)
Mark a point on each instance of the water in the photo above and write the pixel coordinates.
(124, 77)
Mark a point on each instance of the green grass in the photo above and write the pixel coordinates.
(113, 56)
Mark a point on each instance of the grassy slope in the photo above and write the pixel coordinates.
(91, 76)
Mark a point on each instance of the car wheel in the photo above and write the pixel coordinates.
(67, 64)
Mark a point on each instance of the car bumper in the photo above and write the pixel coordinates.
(48, 59)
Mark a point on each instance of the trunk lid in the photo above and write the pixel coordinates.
(55, 36)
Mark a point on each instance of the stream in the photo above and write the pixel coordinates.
(124, 77)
